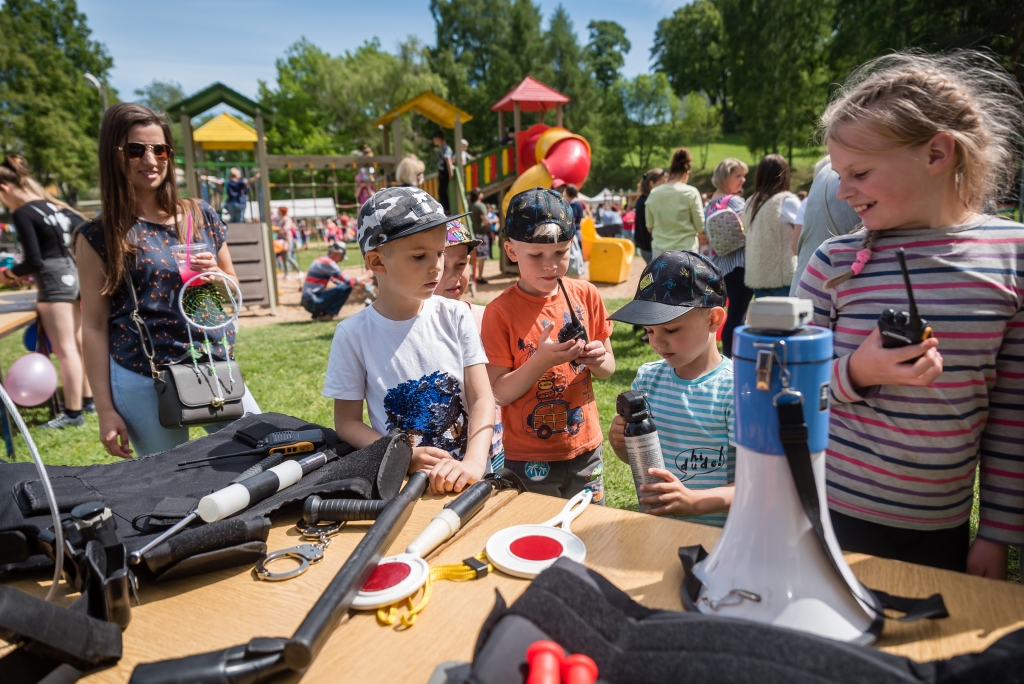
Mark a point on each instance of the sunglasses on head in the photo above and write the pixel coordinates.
(137, 150)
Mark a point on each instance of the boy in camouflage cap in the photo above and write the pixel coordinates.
(416, 359)
(540, 362)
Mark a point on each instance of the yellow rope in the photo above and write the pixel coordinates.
(456, 572)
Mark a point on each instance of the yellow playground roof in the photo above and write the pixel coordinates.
(432, 107)
(225, 132)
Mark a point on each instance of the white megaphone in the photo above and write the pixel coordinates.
(770, 565)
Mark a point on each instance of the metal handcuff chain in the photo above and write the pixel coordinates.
(305, 554)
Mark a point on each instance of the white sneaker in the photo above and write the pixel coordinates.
(62, 421)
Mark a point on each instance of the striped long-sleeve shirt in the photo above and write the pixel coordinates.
(906, 456)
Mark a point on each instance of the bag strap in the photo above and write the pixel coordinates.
(145, 339)
(793, 434)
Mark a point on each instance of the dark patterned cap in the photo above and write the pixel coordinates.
(670, 286)
(395, 213)
(535, 207)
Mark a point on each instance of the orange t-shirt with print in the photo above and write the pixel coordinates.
(557, 419)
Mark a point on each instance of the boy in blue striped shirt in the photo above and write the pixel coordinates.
(680, 302)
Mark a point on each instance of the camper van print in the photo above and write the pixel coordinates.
(553, 414)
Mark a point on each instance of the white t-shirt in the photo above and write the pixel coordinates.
(790, 209)
(799, 220)
(411, 373)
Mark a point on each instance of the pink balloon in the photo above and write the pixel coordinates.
(31, 380)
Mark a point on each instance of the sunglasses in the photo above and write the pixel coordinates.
(137, 150)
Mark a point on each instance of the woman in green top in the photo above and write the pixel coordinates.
(674, 212)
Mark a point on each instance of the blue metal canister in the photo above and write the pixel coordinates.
(762, 360)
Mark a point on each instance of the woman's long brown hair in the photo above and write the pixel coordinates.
(117, 194)
(771, 178)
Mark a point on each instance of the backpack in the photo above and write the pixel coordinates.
(724, 228)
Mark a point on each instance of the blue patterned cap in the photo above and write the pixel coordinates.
(535, 207)
(670, 286)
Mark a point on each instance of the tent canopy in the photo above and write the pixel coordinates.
(225, 132)
(211, 96)
(532, 96)
(431, 107)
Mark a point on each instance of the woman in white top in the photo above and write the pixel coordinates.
(769, 218)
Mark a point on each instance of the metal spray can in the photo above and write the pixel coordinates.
(643, 448)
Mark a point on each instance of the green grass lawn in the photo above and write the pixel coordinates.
(284, 366)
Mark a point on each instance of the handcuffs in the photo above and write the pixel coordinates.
(305, 554)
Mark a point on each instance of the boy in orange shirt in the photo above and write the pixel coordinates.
(552, 437)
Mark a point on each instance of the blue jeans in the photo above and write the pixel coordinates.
(236, 211)
(646, 255)
(327, 301)
(136, 402)
(771, 291)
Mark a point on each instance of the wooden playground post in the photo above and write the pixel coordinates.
(558, 115)
(517, 124)
(189, 152)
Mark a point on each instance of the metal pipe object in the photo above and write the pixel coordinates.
(325, 615)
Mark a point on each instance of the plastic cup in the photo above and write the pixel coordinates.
(182, 253)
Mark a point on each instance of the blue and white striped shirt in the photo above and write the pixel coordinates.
(694, 419)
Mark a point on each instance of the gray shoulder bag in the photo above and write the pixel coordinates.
(190, 394)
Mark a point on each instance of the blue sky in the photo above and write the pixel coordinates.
(236, 42)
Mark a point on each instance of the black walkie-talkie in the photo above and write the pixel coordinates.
(574, 330)
(903, 328)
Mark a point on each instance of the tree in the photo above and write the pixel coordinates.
(776, 53)
(159, 95)
(48, 112)
(688, 48)
(567, 70)
(646, 105)
(606, 51)
(484, 48)
(700, 124)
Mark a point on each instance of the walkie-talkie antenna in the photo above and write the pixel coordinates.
(572, 309)
(915, 319)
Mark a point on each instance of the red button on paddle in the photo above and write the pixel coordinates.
(535, 548)
(386, 576)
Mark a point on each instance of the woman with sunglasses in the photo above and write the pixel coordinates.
(129, 245)
(44, 228)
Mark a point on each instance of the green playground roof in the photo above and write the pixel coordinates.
(211, 96)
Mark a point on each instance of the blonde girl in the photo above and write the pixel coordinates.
(920, 143)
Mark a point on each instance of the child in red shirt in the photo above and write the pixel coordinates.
(552, 437)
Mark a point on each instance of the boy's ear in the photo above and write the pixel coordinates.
(716, 318)
(374, 262)
(510, 250)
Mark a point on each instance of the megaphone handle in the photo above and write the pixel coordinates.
(572, 509)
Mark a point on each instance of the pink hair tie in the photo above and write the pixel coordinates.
(863, 256)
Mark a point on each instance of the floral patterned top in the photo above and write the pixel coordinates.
(157, 283)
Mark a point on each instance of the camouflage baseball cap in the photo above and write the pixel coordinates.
(535, 207)
(671, 285)
(395, 213)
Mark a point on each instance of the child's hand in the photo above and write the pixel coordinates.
(450, 475)
(617, 434)
(987, 559)
(677, 499)
(555, 353)
(425, 458)
(872, 364)
(593, 354)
